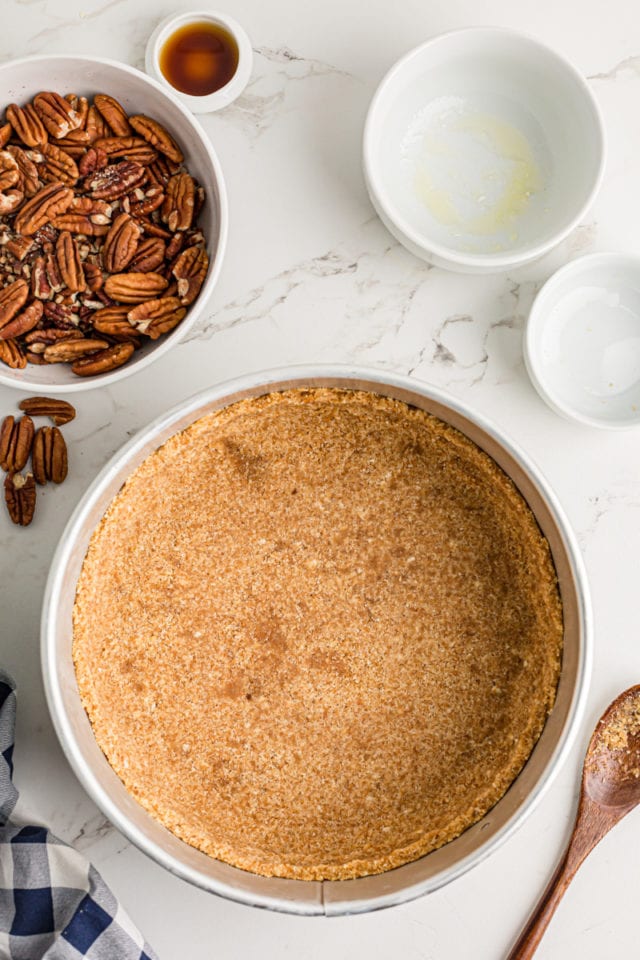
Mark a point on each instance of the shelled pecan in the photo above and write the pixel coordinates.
(97, 213)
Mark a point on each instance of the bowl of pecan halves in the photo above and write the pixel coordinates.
(113, 222)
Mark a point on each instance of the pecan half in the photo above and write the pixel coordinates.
(69, 262)
(40, 286)
(93, 276)
(19, 247)
(75, 145)
(177, 209)
(120, 244)
(9, 173)
(92, 161)
(157, 136)
(56, 113)
(27, 124)
(16, 438)
(68, 351)
(98, 211)
(113, 322)
(48, 203)
(6, 131)
(57, 410)
(96, 126)
(103, 362)
(149, 255)
(12, 355)
(38, 340)
(116, 180)
(29, 181)
(79, 223)
(80, 105)
(155, 317)
(12, 299)
(114, 114)
(49, 456)
(134, 287)
(24, 322)
(20, 497)
(131, 148)
(190, 269)
(58, 165)
(10, 201)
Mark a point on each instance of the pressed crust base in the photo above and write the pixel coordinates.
(318, 634)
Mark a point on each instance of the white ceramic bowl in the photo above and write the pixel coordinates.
(302, 896)
(231, 90)
(20, 80)
(482, 149)
(582, 341)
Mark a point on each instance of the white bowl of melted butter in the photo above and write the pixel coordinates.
(482, 149)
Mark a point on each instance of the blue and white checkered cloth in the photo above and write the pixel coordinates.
(53, 904)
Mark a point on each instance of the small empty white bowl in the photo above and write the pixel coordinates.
(582, 341)
(207, 103)
(482, 149)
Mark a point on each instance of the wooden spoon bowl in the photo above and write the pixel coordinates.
(610, 789)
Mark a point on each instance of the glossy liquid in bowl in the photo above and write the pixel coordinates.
(199, 58)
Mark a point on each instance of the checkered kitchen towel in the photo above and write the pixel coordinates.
(53, 904)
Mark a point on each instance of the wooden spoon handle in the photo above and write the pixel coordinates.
(592, 824)
(530, 938)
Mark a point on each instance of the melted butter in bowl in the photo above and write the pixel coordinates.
(478, 176)
(474, 171)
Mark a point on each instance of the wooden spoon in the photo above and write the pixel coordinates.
(610, 789)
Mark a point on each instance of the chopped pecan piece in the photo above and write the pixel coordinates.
(120, 244)
(58, 165)
(157, 136)
(190, 269)
(114, 114)
(67, 351)
(57, 114)
(155, 317)
(20, 497)
(16, 438)
(49, 456)
(12, 355)
(47, 203)
(27, 124)
(59, 411)
(177, 209)
(149, 255)
(134, 287)
(12, 299)
(24, 322)
(69, 262)
(103, 362)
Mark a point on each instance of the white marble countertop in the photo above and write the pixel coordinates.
(311, 274)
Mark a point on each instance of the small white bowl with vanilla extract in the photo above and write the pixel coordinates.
(204, 57)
